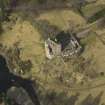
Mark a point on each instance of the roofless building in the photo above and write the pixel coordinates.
(64, 44)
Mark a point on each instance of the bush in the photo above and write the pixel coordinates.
(4, 99)
(4, 7)
(98, 15)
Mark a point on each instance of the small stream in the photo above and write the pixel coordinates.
(8, 80)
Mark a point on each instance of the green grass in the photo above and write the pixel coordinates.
(91, 9)
(89, 39)
(97, 16)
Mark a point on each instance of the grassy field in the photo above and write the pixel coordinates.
(91, 9)
(32, 47)
(62, 18)
(29, 39)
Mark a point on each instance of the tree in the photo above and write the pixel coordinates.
(4, 99)
(0, 28)
(4, 5)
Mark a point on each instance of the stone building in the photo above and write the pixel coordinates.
(64, 44)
